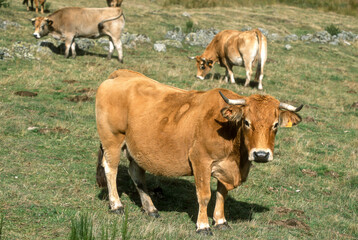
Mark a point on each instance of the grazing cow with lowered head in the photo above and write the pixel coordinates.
(172, 132)
(73, 22)
(234, 48)
(114, 3)
(42, 3)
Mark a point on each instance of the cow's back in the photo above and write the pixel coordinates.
(81, 21)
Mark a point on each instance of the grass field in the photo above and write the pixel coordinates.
(47, 176)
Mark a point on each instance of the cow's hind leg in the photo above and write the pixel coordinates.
(118, 44)
(219, 215)
(138, 176)
(248, 69)
(109, 164)
(111, 49)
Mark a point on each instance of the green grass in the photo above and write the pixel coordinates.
(349, 7)
(47, 175)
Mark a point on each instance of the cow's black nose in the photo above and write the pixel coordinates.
(261, 156)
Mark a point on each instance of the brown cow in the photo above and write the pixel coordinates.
(70, 23)
(173, 132)
(42, 3)
(234, 48)
(114, 3)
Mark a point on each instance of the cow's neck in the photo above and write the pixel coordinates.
(244, 164)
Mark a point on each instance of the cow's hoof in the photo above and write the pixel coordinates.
(154, 214)
(118, 211)
(223, 226)
(204, 231)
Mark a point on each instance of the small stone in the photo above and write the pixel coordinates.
(186, 14)
(288, 47)
(172, 43)
(32, 128)
(160, 47)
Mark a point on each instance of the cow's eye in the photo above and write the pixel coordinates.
(202, 67)
(247, 124)
(275, 125)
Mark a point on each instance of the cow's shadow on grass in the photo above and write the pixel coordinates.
(179, 195)
(239, 81)
(60, 50)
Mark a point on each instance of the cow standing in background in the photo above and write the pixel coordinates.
(114, 3)
(42, 3)
(173, 132)
(73, 22)
(234, 48)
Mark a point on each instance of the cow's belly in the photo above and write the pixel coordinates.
(159, 160)
(237, 61)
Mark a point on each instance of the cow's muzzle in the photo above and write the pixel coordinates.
(36, 35)
(261, 156)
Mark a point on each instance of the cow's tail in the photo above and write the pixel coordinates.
(261, 56)
(101, 176)
(100, 25)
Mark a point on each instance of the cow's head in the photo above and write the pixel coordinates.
(203, 65)
(42, 25)
(114, 3)
(260, 117)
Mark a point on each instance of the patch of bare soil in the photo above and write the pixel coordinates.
(351, 91)
(309, 172)
(355, 105)
(26, 94)
(309, 119)
(332, 174)
(284, 210)
(54, 130)
(70, 81)
(291, 223)
(80, 98)
(85, 90)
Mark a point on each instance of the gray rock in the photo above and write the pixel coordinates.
(288, 47)
(24, 50)
(5, 54)
(160, 47)
(264, 31)
(201, 37)
(323, 37)
(129, 40)
(186, 14)
(172, 43)
(246, 28)
(84, 43)
(306, 37)
(4, 24)
(314, 40)
(274, 37)
(291, 38)
(335, 42)
(176, 34)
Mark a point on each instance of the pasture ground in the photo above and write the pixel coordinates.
(47, 176)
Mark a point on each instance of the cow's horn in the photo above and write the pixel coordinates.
(233, 101)
(203, 59)
(290, 107)
(191, 58)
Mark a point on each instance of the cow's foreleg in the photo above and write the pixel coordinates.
(202, 174)
(138, 176)
(248, 69)
(37, 6)
(229, 73)
(73, 49)
(110, 163)
(219, 215)
(68, 42)
(111, 49)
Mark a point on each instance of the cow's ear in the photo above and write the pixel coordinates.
(289, 119)
(49, 22)
(33, 20)
(232, 113)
